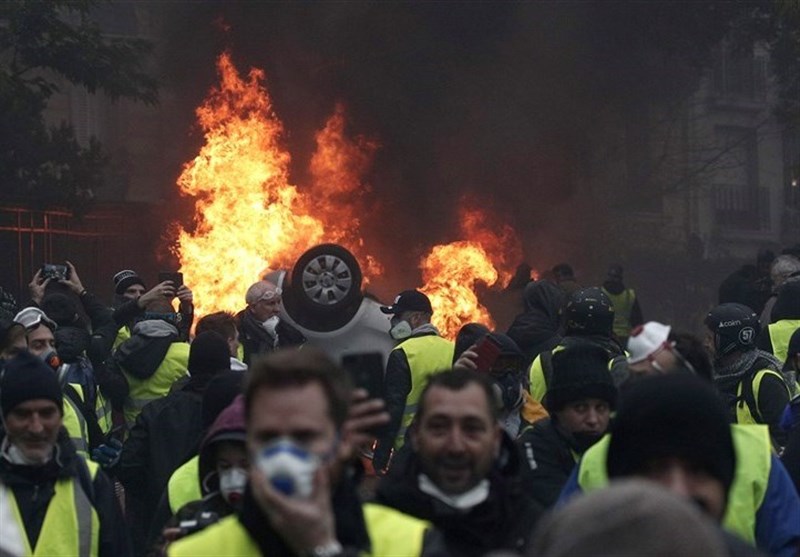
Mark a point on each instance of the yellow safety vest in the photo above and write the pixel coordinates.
(75, 423)
(753, 462)
(780, 333)
(743, 413)
(71, 525)
(184, 484)
(623, 306)
(142, 391)
(123, 334)
(390, 532)
(426, 355)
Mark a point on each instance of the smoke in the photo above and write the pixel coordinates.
(496, 100)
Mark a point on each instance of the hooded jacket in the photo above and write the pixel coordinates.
(504, 521)
(537, 329)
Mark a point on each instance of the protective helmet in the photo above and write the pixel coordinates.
(735, 327)
(589, 312)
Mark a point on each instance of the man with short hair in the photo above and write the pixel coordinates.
(224, 324)
(64, 504)
(261, 330)
(580, 400)
(463, 471)
(297, 407)
(420, 353)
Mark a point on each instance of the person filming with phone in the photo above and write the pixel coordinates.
(301, 498)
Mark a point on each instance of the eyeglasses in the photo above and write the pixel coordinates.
(271, 294)
(31, 317)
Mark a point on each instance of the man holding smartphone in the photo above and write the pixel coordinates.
(298, 410)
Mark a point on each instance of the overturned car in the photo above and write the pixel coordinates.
(322, 298)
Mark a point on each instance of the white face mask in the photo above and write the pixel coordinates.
(270, 324)
(231, 484)
(400, 330)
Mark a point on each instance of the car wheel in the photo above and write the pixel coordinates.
(327, 279)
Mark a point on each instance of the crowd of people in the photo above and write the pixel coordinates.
(134, 429)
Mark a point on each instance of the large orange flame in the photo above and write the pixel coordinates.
(248, 217)
(452, 272)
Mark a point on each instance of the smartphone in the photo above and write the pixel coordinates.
(488, 350)
(176, 278)
(366, 372)
(55, 272)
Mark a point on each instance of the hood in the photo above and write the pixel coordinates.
(546, 297)
(787, 305)
(229, 426)
(154, 328)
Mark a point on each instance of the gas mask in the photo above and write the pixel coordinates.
(401, 329)
(232, 483)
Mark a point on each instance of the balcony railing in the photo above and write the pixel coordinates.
(738, 207)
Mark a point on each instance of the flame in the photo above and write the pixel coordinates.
(338, 190)
(452, 272)
(248, 217)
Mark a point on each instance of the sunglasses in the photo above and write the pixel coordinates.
(271, 294)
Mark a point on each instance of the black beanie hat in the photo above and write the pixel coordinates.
(125, 279)
(208, 354)
(26, 377)
(673, 415)
(219, 394)
(580, 371)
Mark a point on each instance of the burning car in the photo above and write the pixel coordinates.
(322, 298)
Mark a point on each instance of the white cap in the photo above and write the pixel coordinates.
(646, 340)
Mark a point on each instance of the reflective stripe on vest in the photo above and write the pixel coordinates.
(143, 391)
(426, 355)
(390, 532)
(780, 333)
(753, 463)
(75, 424)
(743, 413)
(71, 525)
(103, 412)
(623, 306)
(184, 485)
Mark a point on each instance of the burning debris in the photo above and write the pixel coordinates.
(249, 218)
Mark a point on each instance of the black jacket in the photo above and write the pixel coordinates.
(166, 432)
(34, 487)
(549, 461)
(256, 340)
(538, 328)
(504, 521)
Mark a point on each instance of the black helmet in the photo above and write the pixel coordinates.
(735, 327)
(589, 312)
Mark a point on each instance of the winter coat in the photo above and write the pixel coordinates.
(504, 521)
(538, 328)
(256, 340)
(34, 488)
(549, 461)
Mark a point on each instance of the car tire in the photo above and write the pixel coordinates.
(326, 280)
